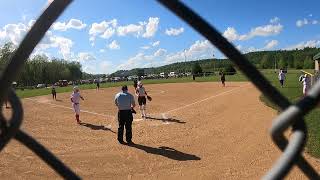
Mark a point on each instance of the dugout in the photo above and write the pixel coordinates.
(316, 59)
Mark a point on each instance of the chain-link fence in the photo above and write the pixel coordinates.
(292, 115)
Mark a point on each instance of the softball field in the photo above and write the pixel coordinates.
(195, 131)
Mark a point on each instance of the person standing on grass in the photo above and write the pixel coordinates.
(125, 103)
(281, 77)
(223, 79)
(53, 92)
(306, 82)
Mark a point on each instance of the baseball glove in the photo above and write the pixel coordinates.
(149, 98)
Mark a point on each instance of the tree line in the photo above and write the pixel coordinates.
(40, 69)
(287, 59)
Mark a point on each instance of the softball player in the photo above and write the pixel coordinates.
(306, 81)
(54, 92)
(141, 93)
(75, 99)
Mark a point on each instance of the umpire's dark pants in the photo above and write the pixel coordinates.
(125, 119)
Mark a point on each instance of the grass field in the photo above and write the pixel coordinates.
(38, 92)
(292, 90)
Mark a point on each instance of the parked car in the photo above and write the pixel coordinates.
(40, 86)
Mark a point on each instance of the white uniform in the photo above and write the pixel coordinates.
(306, 84)
(75, 96)
(281, 76)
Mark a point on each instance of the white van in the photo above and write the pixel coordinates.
(172, 74)
(162, 75)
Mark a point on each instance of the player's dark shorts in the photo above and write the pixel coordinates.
(281, 82)
(142, 100)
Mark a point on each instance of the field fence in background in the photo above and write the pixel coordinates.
(292, 115)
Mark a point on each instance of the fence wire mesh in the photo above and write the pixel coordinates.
(292, 115)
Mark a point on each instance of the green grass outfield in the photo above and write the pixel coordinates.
(44, 91)
(292, 90)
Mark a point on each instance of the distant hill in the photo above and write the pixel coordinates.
(297, 59)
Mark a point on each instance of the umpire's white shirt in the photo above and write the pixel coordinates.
(124, 100)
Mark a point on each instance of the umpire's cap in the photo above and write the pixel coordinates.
(124, 88)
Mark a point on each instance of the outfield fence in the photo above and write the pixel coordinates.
(292, 114)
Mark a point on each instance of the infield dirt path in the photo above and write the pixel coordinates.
(211, 132)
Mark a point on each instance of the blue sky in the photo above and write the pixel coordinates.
(105, 36)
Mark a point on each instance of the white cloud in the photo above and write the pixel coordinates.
(301, 23)
(13, 32)
(145, 47)
(174, 32)
(271, 44)
(31, 22)
(108, 33)
(100, 28)
(86, 56)
(199, 49)
(134, 29)
(114, 45)
(151, 27)
(156, 43)
(133, 62)
(239, 47)
(106, 67)
(315, 22)
(52, 41)
(98, 67)
(231, 34)
(202, 49)
(160, 52)
(64, 44)
(102, 50)
(105, 29)
(72, 24)
(304, 44)
(275, 20)
(267, 30)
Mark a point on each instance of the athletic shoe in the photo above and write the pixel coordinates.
(122, 142)
(130, 143)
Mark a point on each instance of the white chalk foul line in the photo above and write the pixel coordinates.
(220, 94)
(84, 111)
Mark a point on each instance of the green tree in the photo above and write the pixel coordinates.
(298, 63)
(308, 63)
(196, 68)
(266, 62)
(282, 63)
(230, 70)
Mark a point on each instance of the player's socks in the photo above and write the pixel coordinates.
(77, 118)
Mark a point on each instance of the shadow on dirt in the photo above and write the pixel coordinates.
(166, 119)
(166, 152)
(96, 127)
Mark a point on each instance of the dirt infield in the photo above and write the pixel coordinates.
(197, 131)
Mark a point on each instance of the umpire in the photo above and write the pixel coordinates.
(125, 103)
